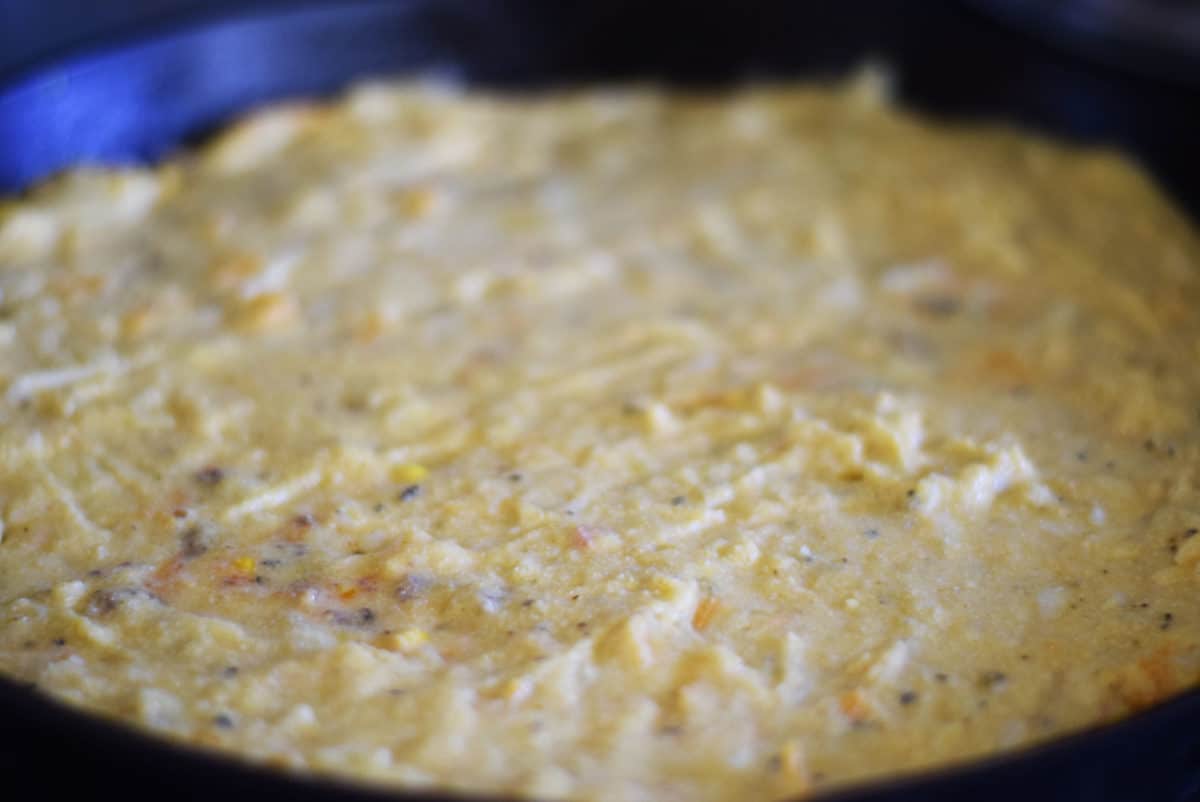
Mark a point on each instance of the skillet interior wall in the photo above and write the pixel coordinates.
(951, 61)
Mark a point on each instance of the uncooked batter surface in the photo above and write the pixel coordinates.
(614, 444)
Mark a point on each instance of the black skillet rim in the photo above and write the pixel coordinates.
(1170, 727)
(1158, 39)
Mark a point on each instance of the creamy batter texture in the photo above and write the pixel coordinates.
(609, 444)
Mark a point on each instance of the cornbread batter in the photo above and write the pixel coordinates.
(602, 445)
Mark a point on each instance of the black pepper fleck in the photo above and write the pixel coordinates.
(361, 617)
(223, 721)
(195, 542)
(939, 306)
(103, 602)
(412, 586)
(908, 697)
(409, 493)
(210, 476)
(993, 679)
(1167, 620)
(678, 501)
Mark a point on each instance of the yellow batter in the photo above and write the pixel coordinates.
(603, 445)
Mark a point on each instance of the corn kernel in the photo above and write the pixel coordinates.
(667, 589)
(511, 690)
(415, 202)
(231, 272)
(245, 565)
(404, 641)
(136, 321)
(370, 328)
(270, 310)
(855, 705)
(409, 472)
(705, 610)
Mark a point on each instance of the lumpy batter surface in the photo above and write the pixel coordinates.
(608, 444)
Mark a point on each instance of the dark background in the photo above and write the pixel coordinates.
(58, 104)
(1159, 37)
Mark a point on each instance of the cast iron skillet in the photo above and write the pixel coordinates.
(153, 91)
